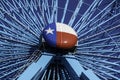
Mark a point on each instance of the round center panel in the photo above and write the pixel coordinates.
(60, 35)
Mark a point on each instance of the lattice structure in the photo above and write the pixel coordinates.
(97, 23)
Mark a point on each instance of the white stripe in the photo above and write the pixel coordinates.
(65, 28)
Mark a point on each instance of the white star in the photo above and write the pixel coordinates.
(49, 31)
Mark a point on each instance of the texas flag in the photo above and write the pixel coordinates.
(60, 35)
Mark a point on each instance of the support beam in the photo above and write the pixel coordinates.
(35, 69)
(76, 69)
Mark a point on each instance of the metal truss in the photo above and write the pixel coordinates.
(97, 23)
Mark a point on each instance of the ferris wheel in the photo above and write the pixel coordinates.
(97, 48)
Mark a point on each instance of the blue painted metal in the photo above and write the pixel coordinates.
(77, 69)
(36, 68)
(97, 23)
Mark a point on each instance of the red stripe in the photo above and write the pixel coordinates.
(66, 40)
